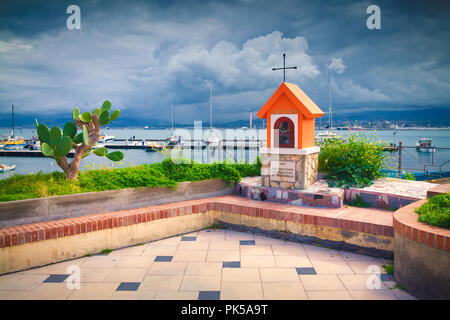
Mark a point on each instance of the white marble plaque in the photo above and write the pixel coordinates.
(282, 171)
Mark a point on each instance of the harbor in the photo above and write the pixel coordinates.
(195, 147)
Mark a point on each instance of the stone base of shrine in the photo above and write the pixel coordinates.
(318, 195)
(289, 168)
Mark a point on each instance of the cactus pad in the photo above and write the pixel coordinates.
(106, 105)
(55, 134)
(70, 129)
(115, 156)
(104, 118)
(85, 135)
(76, 114)
(63, 146)
(97, 111)
(43, 133)
(78, 138)
(86, 116)
(115, 114)
(46, 150)
(101, 152)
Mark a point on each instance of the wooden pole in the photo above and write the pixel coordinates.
(247, 147)
(399, 159)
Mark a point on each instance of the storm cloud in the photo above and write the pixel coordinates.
(143, 55)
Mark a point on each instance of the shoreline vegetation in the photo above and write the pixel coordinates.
(163, 174)
(436, 211)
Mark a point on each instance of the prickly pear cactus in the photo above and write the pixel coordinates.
(81, 135)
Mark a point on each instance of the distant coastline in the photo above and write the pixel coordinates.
(205, 126)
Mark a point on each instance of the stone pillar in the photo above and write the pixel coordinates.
(289, 168)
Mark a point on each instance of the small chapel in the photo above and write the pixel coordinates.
(290, 160)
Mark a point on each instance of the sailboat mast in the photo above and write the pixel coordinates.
(12, 120)
(171, 111)
(210, 109)
(329, 100)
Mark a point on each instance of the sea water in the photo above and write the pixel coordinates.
(410, 158)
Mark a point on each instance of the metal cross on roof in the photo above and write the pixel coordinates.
(284, 67)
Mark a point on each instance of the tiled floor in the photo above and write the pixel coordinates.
(210, 264)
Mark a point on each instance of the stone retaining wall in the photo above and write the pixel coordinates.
(13, 213)
(422, 255)
(34, 245)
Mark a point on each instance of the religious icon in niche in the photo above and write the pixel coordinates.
(285, 128)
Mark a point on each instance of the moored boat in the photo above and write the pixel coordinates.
(212, 140)
(33, 144)
(12, 142)
(173, 141)
(5, 167)
(104, 138)
(424, 145)
(15, 145)
(153, 146)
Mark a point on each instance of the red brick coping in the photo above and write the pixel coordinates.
(406, 225)
(440, 189)
(367, 220)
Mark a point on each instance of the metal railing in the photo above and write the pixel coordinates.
(423, 166)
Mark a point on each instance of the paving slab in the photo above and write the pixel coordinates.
(211, 267)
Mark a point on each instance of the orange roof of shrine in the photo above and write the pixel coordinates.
(299, 99)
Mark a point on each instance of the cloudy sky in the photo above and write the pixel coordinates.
(142, 55)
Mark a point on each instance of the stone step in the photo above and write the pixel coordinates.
(319, 195)
(390, 193)
(384, 193)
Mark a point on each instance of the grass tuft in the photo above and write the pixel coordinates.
(216, 225)
(359, 202)
(389, 268)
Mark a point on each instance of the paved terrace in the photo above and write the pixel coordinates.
(209, 264)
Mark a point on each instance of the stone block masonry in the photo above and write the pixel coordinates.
(289, 171)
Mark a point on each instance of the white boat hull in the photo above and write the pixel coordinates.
(14, 147)
(5, 167)
(426, 149)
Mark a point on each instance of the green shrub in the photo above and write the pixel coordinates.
(163, 174)
(134, 177)
(409, 176)
(354, 162)
(436, 211)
